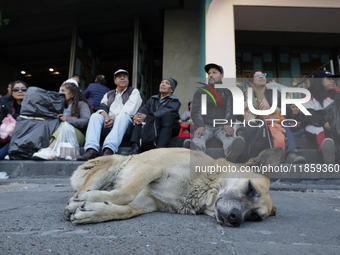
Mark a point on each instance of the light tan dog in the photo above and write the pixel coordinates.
(120, 187)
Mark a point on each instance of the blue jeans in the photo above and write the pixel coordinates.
(112, 141)
(4, 151)
(300, 133)
(290, 141)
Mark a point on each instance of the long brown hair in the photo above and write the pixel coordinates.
(78, 96)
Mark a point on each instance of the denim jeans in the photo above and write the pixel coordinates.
(4, 151)
(290, 140)
(112, 141)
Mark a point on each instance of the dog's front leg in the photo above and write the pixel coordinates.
(90, 212)
(117, 196)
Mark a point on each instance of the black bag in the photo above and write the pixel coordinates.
(29, 136)
(37, 122)
(256, 140)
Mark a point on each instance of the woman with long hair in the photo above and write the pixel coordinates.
(77, 112)
(11, 104)
(318, 127)
(262, 100)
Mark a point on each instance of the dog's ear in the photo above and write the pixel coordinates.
(273, 212)
(211, 197)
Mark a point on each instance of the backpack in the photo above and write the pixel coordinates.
(256, 140)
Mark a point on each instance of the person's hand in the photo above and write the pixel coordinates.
(199, 131)
(264, 104)
(327, 126)
(4, 119)
(228, 129)
(139, 118)
(62, 117)
(188, 118)
(108, 121)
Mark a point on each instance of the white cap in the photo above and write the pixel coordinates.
(121, 71)
(71, 81)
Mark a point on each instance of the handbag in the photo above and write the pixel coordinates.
(7, 128)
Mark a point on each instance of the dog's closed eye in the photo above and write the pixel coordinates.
(254, 216)
(251, 191)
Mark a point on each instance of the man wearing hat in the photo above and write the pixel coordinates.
(204, 129)
(157, 121)
(115, 115)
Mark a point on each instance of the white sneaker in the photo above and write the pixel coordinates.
(45, 154)
(328, 151)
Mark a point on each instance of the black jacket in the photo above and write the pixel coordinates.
(157, 109)
(224, 111)
(9, 105)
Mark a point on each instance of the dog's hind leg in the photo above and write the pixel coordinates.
(131, 181)
(98, 173)
(90, 212)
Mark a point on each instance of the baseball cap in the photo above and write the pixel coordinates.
(120, 71)
(71, 81)
(212, 65)
(325, 73)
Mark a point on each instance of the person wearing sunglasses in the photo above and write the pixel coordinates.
(262, 100)
(11, 104)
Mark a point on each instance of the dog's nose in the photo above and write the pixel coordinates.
(235, 217)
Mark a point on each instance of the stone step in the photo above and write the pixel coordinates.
(63, 169)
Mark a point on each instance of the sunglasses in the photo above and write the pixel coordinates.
(260, 74)
(16, 89)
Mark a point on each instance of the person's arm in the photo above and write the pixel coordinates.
(172, 107)
(132, 105)
(103, 105)
(317, 118)
(196, 111)
(185, 116)
(145, 109)
(87, 91)
(229, 107)
(83, 120)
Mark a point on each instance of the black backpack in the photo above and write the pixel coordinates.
(256, 140)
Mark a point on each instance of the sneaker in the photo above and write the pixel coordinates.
(189, 144)
(328, 151)
(236, 148)
(44, 154)
(293, 158)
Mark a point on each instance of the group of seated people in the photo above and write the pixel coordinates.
(99, 112)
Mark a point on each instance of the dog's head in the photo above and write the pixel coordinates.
(246, 197)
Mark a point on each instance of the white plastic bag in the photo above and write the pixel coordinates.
(67, 146)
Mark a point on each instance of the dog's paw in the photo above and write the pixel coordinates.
(90, 212)
(71, 207)
(89, 195)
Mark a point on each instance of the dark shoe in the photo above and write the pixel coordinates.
(294, 158)
(107, 152)
(328, 151)
(236, 148)
(89, 154)
(134, 150)
(189, 144)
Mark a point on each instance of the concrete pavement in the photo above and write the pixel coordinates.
(32, 223)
